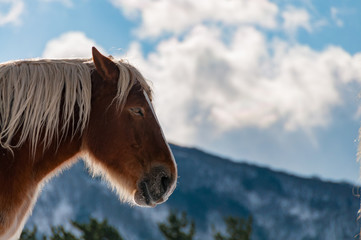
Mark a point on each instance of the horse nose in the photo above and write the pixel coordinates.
(159, 183)
(155, 187)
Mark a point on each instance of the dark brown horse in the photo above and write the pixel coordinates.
(54, 112)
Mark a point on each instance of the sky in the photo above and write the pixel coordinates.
(273, 83)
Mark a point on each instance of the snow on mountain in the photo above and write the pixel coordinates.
(209, 188)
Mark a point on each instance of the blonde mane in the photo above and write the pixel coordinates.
(39, 98)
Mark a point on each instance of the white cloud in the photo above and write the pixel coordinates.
(162, 16)
(70, 45)
(335, 12)
(295, 18)
(16, 8)
(202, 82)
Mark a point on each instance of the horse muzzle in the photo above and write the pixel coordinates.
(155, 187)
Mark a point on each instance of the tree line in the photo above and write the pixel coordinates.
(176, 227)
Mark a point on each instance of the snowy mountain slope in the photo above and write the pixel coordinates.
(209, 188)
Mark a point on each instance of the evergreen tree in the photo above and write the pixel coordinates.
(95, 230)
(237, 229)
(176, 227)
(59, 233)
(29, 235)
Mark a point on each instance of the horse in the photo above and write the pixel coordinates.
(55, 112)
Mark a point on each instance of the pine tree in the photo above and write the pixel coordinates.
(237, 229)
(29, 235)
(176, 227)
(95, 230)
(59, 233)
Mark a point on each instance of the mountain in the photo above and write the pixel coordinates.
(209, 188)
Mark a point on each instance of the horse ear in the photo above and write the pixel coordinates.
(104, 66)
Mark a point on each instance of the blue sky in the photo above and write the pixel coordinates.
(275, 83)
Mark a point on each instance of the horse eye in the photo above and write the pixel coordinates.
(137, 111)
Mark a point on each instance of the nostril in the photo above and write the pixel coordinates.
(165, 182)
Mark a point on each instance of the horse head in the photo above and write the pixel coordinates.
(123, 139)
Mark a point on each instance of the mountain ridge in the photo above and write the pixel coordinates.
(265, 167)
(209, 188)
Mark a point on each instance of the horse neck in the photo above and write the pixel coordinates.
(56, 157)
(22, 174)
